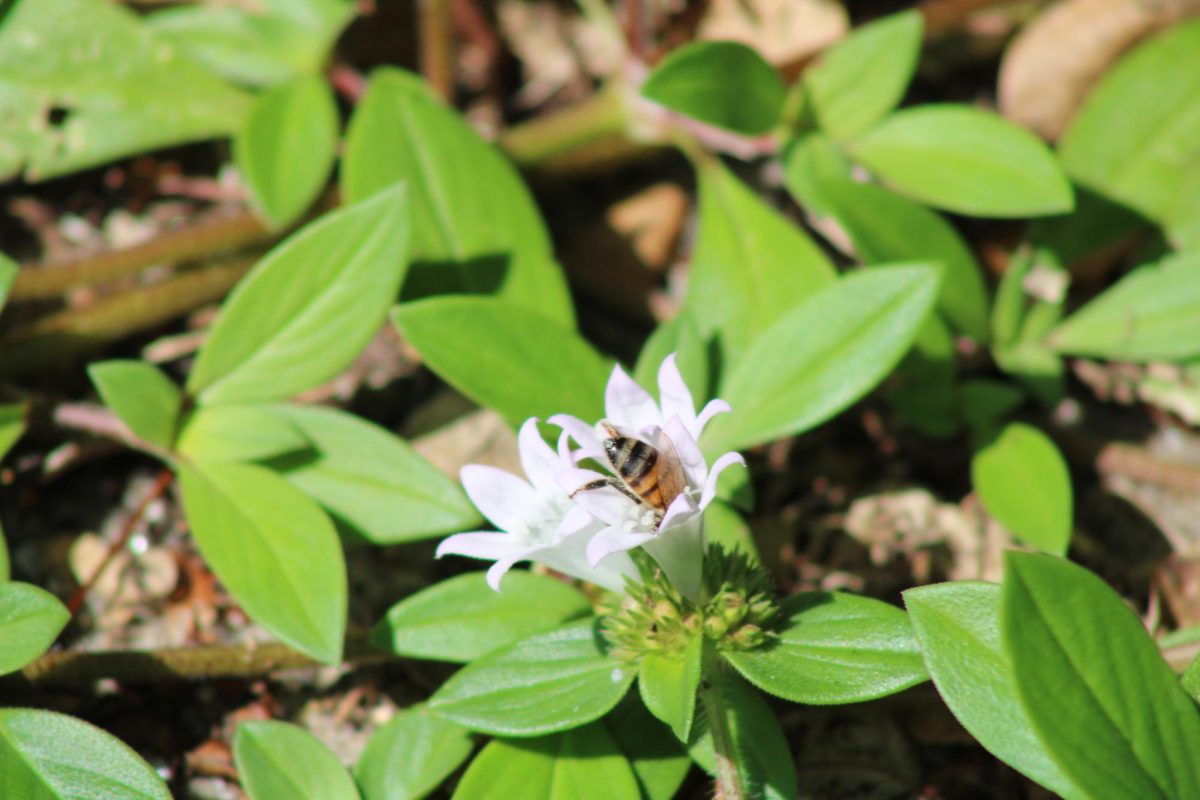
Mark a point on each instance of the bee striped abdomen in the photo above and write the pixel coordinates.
(635, 463)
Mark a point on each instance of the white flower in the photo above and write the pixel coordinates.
(537, 520)
(674, 538)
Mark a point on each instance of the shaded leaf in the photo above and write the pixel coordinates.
(30, 621)
(409, 756)
(277, 759)
(667, 683)
(659, 762)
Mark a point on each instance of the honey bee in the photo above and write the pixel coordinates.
(650, 474)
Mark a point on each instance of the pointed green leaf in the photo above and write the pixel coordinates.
(476, 228)
(273, 548)
(659, 762)
(580, 764)
(667, 683)
(1105, 705)
(864, 76)
(958, 627)
(286, 146)
(504, 357)
(49, 756)
(750, 266)
(1023, 482)
(547, 683)
(808, 161)
(823, 355)
(726, 84)
(30, 621)
(462, 619)
(143, 397)
(308, 308)
(278, 759)
(965, 160)
(835, 648)
(410, 755)
(238, 433)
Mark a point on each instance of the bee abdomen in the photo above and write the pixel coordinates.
(634, 461)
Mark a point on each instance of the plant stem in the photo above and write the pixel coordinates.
(729, 778)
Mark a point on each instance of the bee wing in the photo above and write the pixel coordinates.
(672, 480)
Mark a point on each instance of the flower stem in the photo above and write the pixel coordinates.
(729, 784)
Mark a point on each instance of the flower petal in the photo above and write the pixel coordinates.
(579, 430)
(694, 465)
(710, 410)
(680, 552)
(502, 497)
(682, 508)
(540, 461)
(629, 405)
(500, 569)
(570, 558)
(480, 544)
(614, 540)
(674, 394)
(605, 503)
(710, 485)
(577, 520)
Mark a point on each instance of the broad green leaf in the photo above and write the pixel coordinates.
(836, 648)
(667, 683)
(965, 160)
(308, 308)
(958, 627)
(765, 767)
(1022, 481)
(277, 759)
(260, 45)
(547, 683)
(370, 480)
(286, 146)
(809, 161)
(984, 402)
(410, 755)
(82, 83)
(823, 355)
(1190, 679)
(864, 76)
(1105, 705)
(580, 764)
(887, 227)
(462, 619)
(659, 762)
(750, 266)
(30, 621)
(507, 358)
(476, 227)
(273, 548)
(680, 336)
(145, 399)
(1150, 314)
(238, 433)
(12, 425)
(726, 84)
(49, 756)
(1182, 222)
(1136, 139)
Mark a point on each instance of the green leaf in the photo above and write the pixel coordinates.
(1190, 679)
(370, 480)
(823, 355)
(409, 756)
(12, 425)
(462, 619)
(580, 764)
(308, 308)
(1023, 482)
(765, 767)
(965, 160)
(1095, 229)
(680, 336)
(749, 267)
(836, 648)
(8, 274)
(50, 756)
(985, 402)
(145, 399)
(667, 683)
(547, 683)
(30, 621)
(263, 45)
(1149, 315)
(277, 759)
(275, 551)
(864, 76)
(1137, 137)
(809, 161)
(659, 762)
(726, 84)
(286, 146)
(1105, 705)
(725, 525)
(887, 227)
(83, 83)
(504, 357)
(238, 433)
(958, 627)
(476, 228)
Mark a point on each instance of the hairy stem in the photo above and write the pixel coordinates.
(729, 785)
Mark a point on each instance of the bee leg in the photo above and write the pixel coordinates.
(613, 482)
